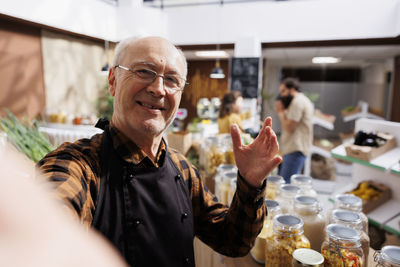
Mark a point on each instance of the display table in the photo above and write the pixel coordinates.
(206, 257)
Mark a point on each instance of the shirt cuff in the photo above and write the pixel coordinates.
(249, 194)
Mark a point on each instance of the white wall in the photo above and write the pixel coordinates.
(94, 18)
(269, 21)
(272, 21)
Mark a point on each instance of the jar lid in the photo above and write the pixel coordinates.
(275, 179)
(271, 203)
(346, 216)
(291, 189)
(299, 179)
(391, 254)
(342, 232)
(228, 176)
(225, 167)
(287, 222)
(306, 200)
(348, 201)
(308, 256)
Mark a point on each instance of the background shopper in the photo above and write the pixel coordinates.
(295, 112)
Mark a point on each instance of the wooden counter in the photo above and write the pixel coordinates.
(206, 257)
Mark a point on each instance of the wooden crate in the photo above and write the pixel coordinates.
(385, 195)
(368, 153)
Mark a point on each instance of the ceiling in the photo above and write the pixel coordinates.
(350, 55)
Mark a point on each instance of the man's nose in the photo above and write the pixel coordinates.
(156, 88)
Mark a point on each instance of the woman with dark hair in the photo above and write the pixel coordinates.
(229, 111)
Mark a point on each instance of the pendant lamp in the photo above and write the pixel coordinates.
(217, 72)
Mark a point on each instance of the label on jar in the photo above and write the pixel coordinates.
(307, 257)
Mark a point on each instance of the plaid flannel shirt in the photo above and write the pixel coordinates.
(74, 171)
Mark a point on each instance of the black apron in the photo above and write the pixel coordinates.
(145, 212)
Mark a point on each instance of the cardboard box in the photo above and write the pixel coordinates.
(368, 153)
(385, 195)
(181, 141)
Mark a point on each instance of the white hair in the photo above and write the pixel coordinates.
(123, 45)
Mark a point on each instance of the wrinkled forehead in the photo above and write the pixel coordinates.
(155, 51)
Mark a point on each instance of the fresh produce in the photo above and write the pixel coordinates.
(25, 137)
(366, 191)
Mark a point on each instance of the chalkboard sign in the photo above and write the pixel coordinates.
(244, 76)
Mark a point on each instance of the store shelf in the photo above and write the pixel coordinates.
(361, 115)
(321, 151)
(385, 162)
(393, 225)
(396, 169)
(384, 215)
(322, 123)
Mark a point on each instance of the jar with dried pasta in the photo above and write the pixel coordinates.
(273, 184)
(342, 247)
(389, 256)
(265, 236)
(353, 220)
(287, 237)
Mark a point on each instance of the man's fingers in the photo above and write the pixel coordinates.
(236, 139)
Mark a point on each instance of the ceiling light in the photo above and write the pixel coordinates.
(325, 60)
(212, 54)
(217, 72)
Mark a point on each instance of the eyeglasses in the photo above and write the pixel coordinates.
(172, 82)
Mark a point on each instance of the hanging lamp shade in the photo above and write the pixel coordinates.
(217, 72)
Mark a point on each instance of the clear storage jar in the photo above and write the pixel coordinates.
(304, 182)
(287, 237)
(232, 190)
(274, 182)
(214, 154)
(286, 196)
(309, 210)
(342, 247)
(222, 168)
(389, 256)
(224, 186)
(353, 220)
(352, 203)
(226, 141)
(265, 236)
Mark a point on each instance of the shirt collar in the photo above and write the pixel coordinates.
(130, 152)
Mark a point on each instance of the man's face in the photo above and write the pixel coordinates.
(143, 108)
(284, 91)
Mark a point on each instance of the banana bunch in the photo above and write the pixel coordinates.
(366, 191)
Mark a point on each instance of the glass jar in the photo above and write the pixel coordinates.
(309, 210)
(287, 193)
(389, 256)
(218, 176)
(342, 247)
(203, 106)
(232, 190)
(265, 236)
(223, 187)
(353, 220)
(304, 182)
(214, 154)
(307, 257)
(226, 141)
(287, 237)
(273, 184)
(352, 203)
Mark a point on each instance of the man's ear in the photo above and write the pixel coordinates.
(112, 83)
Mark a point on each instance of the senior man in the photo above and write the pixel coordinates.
(145, 197)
